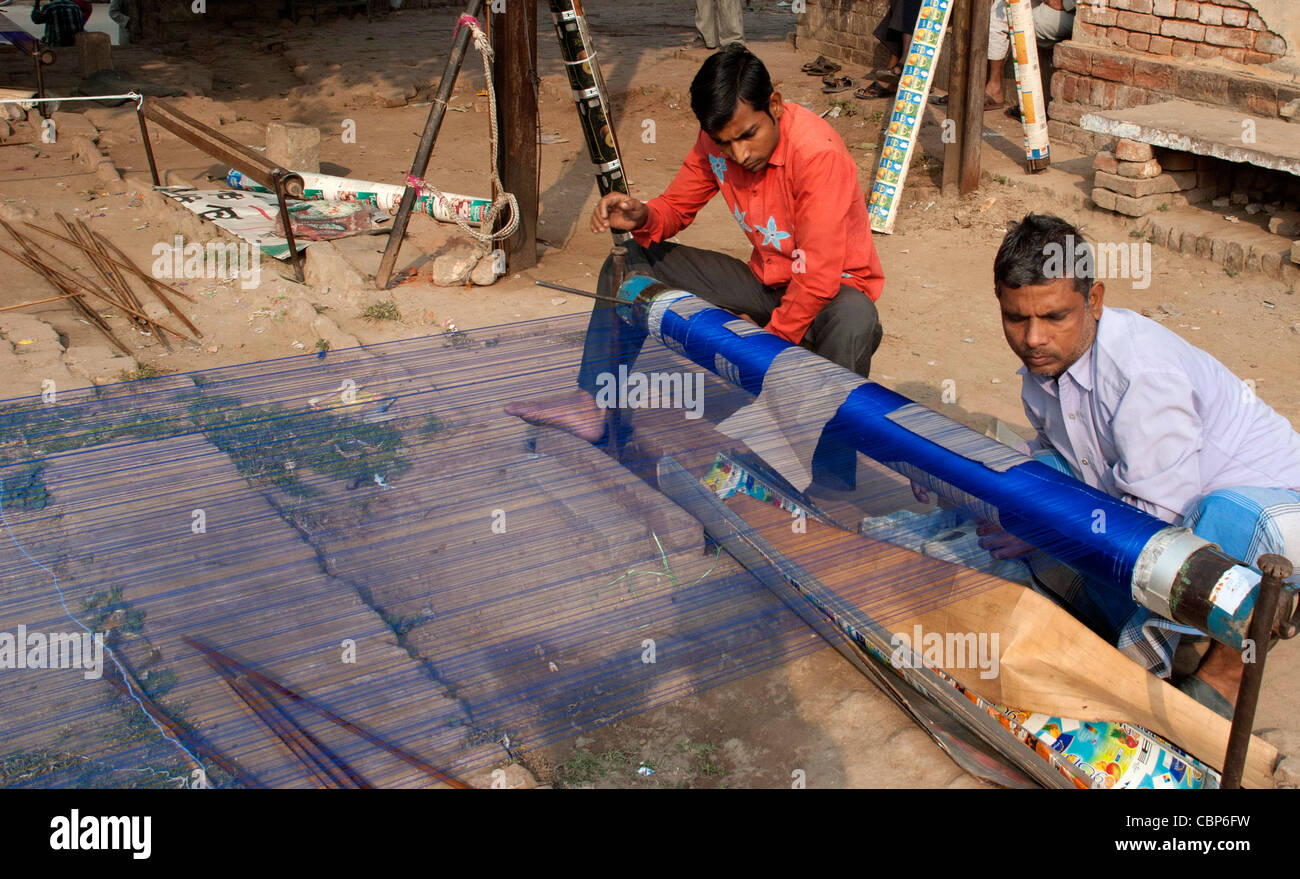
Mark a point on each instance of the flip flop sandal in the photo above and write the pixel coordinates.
(875, 90)
(1207, 696)
(940, 101)
(820, 67)
(836, 85)
(1013, 112)
(990, 104)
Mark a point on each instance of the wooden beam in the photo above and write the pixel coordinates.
(959, 27)
(514, 42)
(972, 123)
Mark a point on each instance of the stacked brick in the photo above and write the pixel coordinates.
(1228, 29)
(1128, 53)
(1133, 182)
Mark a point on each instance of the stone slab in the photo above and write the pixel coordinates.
(1204, 131)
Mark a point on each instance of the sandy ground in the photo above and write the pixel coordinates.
(940, 318)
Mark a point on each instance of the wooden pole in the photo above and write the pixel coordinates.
(959, 25)
(420, 164)
(976, 76)
(514, 42)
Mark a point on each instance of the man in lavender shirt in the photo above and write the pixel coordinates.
(1130, 408)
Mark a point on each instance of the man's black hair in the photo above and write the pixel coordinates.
(1037, 250)
(726, 77)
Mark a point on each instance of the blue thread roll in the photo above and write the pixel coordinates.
(1030, 500)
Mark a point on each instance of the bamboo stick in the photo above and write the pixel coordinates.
(158, 286)
(122, 261)
(93, 317)
(37, 302)
(328, 715)
(87, 287)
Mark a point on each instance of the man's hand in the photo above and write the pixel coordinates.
(618, 211)
(1000, 544)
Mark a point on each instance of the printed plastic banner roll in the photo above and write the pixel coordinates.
(385, 196)
(905, 120)
(1029, 83)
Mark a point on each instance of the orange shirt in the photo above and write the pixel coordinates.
(804, 213)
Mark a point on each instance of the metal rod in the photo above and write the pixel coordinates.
(422, 153)
(564, 289)
(256, 706)
(123, 261)
(253, 674)
(148, 147)
(52, 275)
(338, 771)
(115, 278)
(37, 302)
(1275, 569)
(85, 286)
(294, 255)
(133, 690)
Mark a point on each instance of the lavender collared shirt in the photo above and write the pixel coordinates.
(1158, 423)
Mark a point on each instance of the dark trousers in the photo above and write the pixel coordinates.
(847, 331)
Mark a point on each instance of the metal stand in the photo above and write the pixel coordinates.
(1263, 626)
(285, 184)
(425, 150)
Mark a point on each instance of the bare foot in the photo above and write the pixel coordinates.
(575, 411)
(995, 95)
(1221, 669)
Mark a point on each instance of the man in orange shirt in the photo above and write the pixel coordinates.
(792, 187)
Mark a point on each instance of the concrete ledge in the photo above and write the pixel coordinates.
(1204, 131)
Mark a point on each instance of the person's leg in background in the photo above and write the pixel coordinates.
(730, 21)
(999, 48)
(706, 22)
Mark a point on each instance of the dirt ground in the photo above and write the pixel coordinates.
(941, 322)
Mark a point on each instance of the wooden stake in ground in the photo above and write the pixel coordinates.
(425, 150)
(514, 42)
(954, 128)
(972, 118)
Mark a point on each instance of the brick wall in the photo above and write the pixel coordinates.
(1227, 29)
(842, 29)
(1128, 53)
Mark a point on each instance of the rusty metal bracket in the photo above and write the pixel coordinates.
(1263, 626)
